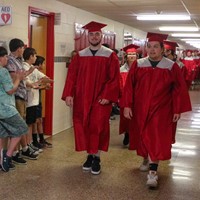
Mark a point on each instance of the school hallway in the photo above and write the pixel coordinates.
(58, 175)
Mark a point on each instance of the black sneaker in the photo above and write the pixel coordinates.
(4, 161)
(10, 164)
(34, 150)
(38, 146)
(116, 110)
(96, 167)
(88, 163)
(28, 154)
(126, 139)
(46, 144)
(19, 160)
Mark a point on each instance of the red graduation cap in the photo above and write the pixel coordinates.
(94, 26)
(130, 48)
(156, 37)
(169, 45)
(189, 50)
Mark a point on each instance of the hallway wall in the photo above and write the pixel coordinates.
(64, 42)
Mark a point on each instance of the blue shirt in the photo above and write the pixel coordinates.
(7, 102)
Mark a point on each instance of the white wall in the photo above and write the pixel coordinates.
(64, 42)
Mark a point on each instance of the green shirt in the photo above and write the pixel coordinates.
(7, 102)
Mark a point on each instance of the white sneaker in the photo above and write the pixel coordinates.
(144, 167)
(152, 179)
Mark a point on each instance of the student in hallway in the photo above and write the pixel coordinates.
(155, 94)
(38, 126)
(130, 56)
(14, 64)
(11, 123)
(33, 83)
(92, 85)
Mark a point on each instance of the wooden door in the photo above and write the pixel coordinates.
(38, 42)
(41, 38)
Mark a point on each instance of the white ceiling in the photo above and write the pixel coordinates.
(125, 11)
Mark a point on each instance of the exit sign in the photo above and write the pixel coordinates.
(5, 15)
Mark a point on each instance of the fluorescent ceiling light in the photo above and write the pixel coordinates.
(163, 17)
(127, 34)
(190, 39)
(197, 46)
(178, 28)
(193, 42)
(185, 35)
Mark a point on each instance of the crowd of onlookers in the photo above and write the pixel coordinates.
(21, 125)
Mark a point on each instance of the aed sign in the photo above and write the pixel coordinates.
(5, 15)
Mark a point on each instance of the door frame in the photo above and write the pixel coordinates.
(48, 124)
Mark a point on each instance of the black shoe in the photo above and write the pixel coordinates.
(116, 110)
(126, 139)
(34, 150)
(96, 167)
(4, 161)
(38, 145)
(88, 163)
(18, 160)
(46, 144)
(28, 154)
(10, 164)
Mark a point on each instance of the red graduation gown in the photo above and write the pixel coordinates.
(197, 61)
(123, 123)
(190, 70)
(89, 79)
(155, 95)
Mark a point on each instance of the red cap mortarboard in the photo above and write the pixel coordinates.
(189, 50)
(169, 45)
(94, 26)
(130, 48)
(156, 37)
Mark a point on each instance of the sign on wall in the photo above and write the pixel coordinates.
(5, 15)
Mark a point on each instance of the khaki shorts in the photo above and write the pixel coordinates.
(21, 107)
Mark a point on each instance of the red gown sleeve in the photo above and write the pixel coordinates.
(181, 99)
(70, 79)
(111, 89)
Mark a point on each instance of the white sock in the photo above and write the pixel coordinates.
(24, 149)
(15, 153)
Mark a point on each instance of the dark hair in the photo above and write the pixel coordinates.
(172, 52)
(116, 51)
(28, 52)
(39, 60)
(15, 43)
(3, 52)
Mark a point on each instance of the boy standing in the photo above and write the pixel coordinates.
(11, 123)
(33, 83)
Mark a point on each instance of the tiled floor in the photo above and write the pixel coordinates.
(57, 174)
